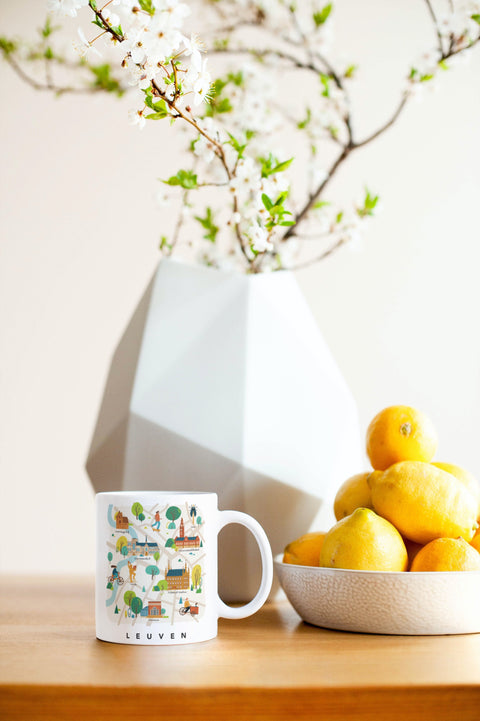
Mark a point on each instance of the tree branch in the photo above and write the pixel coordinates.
(384, 127)
(59, 90)
(265, 53)
(322, 256)
(437, 29)
(313, 197)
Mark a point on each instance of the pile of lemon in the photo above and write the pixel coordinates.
(408, 514)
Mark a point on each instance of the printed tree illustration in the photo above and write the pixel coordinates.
(116, 609)
(152, 571)
(199, 521)
(193, 513)
(109, 585)
(162, 585)
(170, 544)
(110, 555)
(172, 514)
(124, 550)
(121, 542)
(128, 597)
(136, 605)
(137, 509)
(141, 516)
(156, 556)
(196, 575)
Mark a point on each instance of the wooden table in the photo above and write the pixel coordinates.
(269, 666)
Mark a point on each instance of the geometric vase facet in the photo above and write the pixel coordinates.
(222, 382)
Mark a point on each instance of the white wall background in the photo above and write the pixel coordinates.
(76, 251)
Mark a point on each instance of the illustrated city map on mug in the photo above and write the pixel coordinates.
(154, 564)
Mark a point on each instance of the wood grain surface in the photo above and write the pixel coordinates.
(269, 666)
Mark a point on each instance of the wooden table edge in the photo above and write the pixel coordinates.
(394, 703)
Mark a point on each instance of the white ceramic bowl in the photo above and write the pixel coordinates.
(381, 602)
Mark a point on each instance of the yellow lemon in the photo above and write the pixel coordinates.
(447, 554)
(354, 493)
(475, 542)
(304, 551)
(424, 502)
(465, 476)
(364, 541)
(400, 433)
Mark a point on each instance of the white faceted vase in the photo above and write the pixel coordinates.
(222, 382)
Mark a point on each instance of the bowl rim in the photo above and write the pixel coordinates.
(320, 570)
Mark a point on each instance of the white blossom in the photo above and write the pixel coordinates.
(83, 47)
(136, 117)
(193, 47)
(66, 7)
(202, 84)
(259, 239)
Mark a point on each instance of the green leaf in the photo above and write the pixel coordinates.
(370, 200)
(164, 243)
(339, 217)
(320, 204)
(236, 78)
(99, 23)
(238, 147)
(267, 201)
(157, 116)
(104, 80)
(208, 224)
(303, 123)
(218, 85)
(221, 43)
(321, 17)
(157, 107)
(281, 166)
(270, 165)
(369, 204)
(48, 28)
(147, 6)
(48, 54)
(476, 17)
(325, 80)
(288, 222)
(425, 78)
(185, 178)
(7, 46)
(350, 71)
(117, 30)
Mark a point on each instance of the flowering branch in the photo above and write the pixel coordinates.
(238, 118)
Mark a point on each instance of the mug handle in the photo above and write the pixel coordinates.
(257, 602)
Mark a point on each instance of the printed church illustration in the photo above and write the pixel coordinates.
(139, 548)
(182, 541)
(177, 578)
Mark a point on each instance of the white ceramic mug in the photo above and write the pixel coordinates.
(157, 567)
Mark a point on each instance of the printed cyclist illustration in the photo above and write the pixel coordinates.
(187, 608)
(115, 576)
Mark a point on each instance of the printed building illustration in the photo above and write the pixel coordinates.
(153, 610)
(177, 578)
(183, 541)
(139, 548)
(121, 522)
